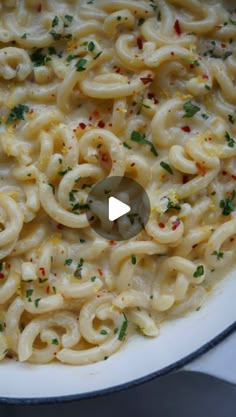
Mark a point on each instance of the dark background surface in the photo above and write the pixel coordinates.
(183, 394)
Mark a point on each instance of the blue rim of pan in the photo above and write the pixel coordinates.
(131, 384)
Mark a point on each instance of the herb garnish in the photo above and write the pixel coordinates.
(219, 255)
(36, 302)
(123, 329)
(230, 141)
(133, 259)
(228, 205)
(190, 109)
(167, 167)
(38, 58)
(136, 137)
(17, 113)
(199, 271)
(80, 65)
(68, 262)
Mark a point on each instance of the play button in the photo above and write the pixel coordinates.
(119, 208)
(116, 208)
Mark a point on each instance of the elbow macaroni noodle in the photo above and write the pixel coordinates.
(76, 79)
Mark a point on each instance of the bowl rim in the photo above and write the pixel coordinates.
(175, 366)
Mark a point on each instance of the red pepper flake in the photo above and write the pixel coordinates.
(110, 125)
(133, 164)
(172, 53)
(223, 45)
(82, 125)
(31, 111)
(90, 118)
(224, 173)
(112, 243)
(201, 170)
(101, 124)
(42, 270)
(234, 177)
(175, 224)
(177, 27)
(194, 246)
(186, 129)
(231, 239)
(59, 226)
(161, 225)
(39, 8)
(146, 80)
(191, 66)
(96, 114)
(205, 77)
(104, 157)
(2, 275)
(100, 272)
(140, 43)
(118, 70)
(151, 96)
(48, 289)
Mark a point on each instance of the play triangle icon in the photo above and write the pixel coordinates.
(116, 208)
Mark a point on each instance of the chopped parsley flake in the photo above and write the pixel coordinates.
(133, 259)
(136, 137)
(167, 167)
(68, 17)
(230, 141)
(17, 113)
(219, 255)
(62, 173)
(125, 144)
(77, 273)
(231, 118)
(103, 332)
(68, 262)
(141, 21)
(79, 206)
(123, 329)
(93, 278)
(199, 271)
(71, 57)
(29, 293)
(91, 46)
(228, 205)
(190, 109)
(55, 21)
(36, 302)
(205, 116)
(55, 342)
(38, 58)
(80, 65)
(1, 327)
(56, 36)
